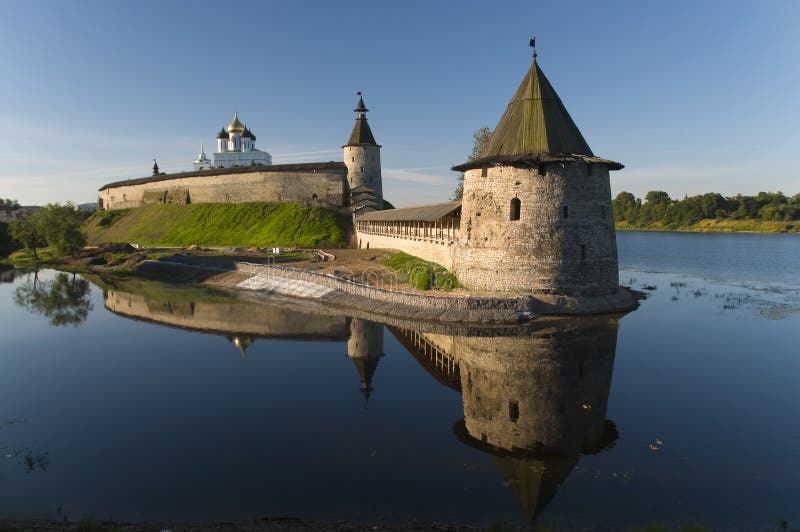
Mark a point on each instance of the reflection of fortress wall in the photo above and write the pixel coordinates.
(232, 318)
(546, 393)
(430, 351)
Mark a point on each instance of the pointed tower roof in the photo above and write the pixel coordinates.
(536, 127)
(362, 134)
(536, 122)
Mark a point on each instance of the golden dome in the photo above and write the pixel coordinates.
(235, 126)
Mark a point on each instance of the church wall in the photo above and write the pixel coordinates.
(543, 252)
(326, 188)
(440, 253)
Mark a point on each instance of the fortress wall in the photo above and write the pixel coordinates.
(438, 252)
(325, 188)
(543, 252)
(229, 318)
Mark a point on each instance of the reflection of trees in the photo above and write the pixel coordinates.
(63, 301)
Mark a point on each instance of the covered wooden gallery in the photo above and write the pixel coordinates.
(438, 222)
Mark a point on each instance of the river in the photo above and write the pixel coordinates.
(132, 400)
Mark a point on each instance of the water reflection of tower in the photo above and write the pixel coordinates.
(538, 403)
(535, 401)
(365, 348)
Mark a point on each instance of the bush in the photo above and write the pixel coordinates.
(421, 274)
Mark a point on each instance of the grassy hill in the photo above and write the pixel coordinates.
(219, 224)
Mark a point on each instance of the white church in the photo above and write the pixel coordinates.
(236, 146)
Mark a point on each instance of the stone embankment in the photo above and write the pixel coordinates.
(333, 290)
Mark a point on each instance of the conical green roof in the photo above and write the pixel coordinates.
(536, 123)
(361, 134)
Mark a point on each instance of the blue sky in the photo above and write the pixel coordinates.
(691, 96)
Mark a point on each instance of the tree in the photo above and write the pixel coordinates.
(9, 204)
(479, 140)
(624, 206)
(61, 225)
(28, 232)
(657, 197)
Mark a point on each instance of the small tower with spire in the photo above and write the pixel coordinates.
(362, 156)
(202, 162)
(155, 167)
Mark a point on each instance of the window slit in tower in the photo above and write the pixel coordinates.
(484, 171)
(513, 411)
(603, 211)
(566, 211)
(515, 209)
(583, 251)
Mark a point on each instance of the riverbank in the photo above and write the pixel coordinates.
(352, 279)
(718, 226)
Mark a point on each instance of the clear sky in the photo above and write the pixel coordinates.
(692, 96)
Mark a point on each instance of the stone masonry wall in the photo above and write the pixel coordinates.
(447, 308)
(438, 252)
(545, 251)
(326, 188)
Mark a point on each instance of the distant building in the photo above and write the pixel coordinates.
(236, 146)
(203, 162)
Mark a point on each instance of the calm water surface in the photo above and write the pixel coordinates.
(116, 402)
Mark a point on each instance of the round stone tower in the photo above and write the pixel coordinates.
(362, 156)
(536, 211)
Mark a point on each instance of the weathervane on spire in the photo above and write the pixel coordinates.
(533, 45)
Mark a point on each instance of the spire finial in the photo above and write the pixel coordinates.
(533, 45)
(202, 146)
(360, 108)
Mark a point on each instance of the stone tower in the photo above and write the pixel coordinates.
(362, 156)
(536, 214)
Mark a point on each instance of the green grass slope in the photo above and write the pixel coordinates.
(220, 224)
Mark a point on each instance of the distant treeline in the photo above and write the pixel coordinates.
(659, 209)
